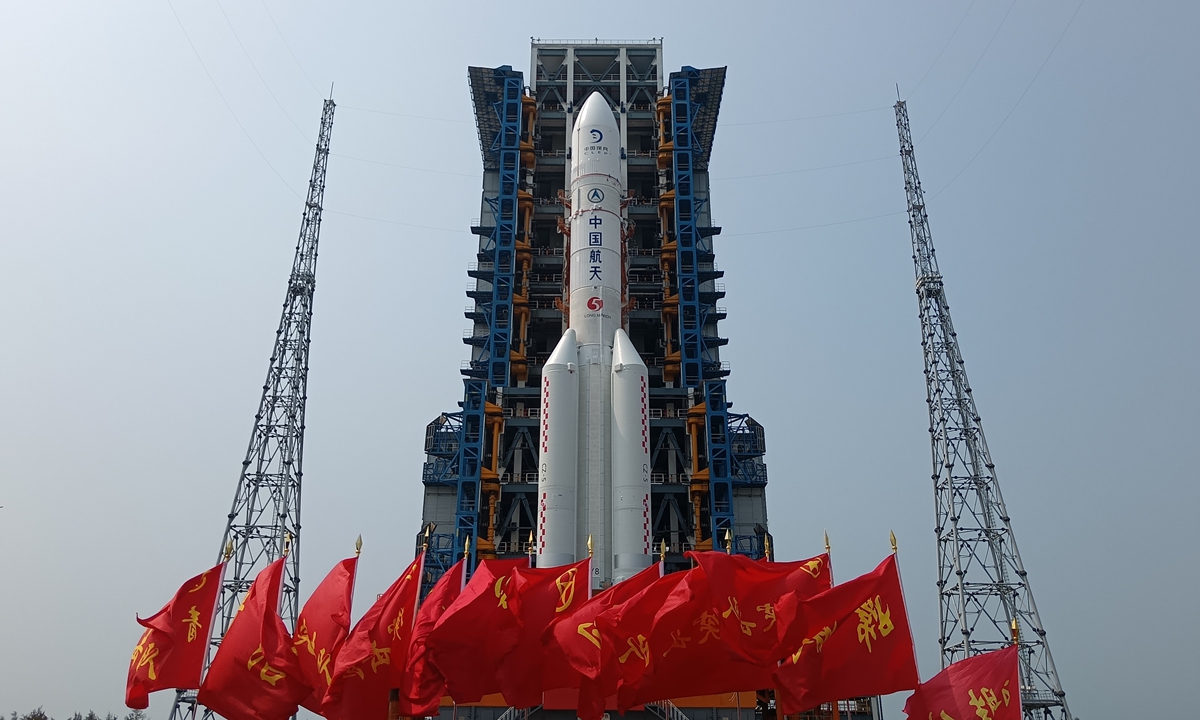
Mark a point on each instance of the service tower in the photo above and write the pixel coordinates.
(596, 278)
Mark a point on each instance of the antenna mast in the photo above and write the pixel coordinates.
(985, 599)
(266, 508)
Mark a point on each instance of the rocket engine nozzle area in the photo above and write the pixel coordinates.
(594, 474)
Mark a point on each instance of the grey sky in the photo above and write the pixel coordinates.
(146, 244)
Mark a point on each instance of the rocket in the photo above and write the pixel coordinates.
(594, 459)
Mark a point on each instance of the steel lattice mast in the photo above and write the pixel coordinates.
(266, 508)
(985, 599)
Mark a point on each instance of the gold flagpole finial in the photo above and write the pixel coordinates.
(826, 542)
(728, 541)
(425, 542)
(287, 543)
(531, 549)
(1016, 632)
(228, 550)
(662, 551)
(589, 545)
(767, 547)
(467, 548)
(358, 546)
(892, 536)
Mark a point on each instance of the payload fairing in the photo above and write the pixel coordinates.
(594, 473)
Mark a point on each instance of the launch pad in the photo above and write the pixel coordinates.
(704, 463)
(706, 472)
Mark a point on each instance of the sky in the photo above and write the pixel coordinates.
(151, 187)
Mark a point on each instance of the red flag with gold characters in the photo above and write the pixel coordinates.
(575, 641)
(422, 686)
(322, 627)
(170, 653)
(467, 643)
(747, 593)
(983, 686)
(539, 595)
(630, 625)
(850, 641)
(689, 649)
(373, 657)
(256, 674)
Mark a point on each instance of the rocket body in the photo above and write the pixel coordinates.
(594, 479)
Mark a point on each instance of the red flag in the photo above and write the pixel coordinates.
(255, 674)
(850, 641)
(422, 686)
(322, 628)
(986, 685)
(747, 593)
(470, 638)
(538, 596)
(630, 626)
(577, 642)
(374, 655)
(689, 651)
(170, 653)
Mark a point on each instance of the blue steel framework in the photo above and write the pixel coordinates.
(695, 372)
(455, 441)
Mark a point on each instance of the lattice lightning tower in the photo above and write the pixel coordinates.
(985, 599)
(266, 508)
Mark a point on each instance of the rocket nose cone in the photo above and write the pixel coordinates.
(624, 353)
(596, 112)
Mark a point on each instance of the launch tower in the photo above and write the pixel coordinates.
(707, 475)
(985, 602)
(265, 518)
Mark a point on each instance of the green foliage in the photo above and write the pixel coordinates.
(40, 714)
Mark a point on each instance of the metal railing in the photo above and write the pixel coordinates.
(667, 708)
(594, 41)
(527, 478)
(659, 413)
(670, 478)
(530, 412)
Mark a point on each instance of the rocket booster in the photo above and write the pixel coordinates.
(594, 469)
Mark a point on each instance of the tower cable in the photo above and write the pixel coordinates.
(985, 602)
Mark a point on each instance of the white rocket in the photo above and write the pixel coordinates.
(594, 474)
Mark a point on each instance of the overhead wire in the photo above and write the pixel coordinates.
(404, 115)
(259, 74)
(1018, 102)
(939, 55)
(813, 227)
(807, 117)
(289, 49)
(226, 102)
(397, 222)
(404, 167)
(806, 170)
(972, 72)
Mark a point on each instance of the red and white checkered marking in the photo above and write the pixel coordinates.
(645, 429)
(646, 525)
(545, 414)
(541, 540)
